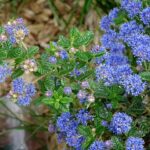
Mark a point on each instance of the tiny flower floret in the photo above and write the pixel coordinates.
(67, 90)
(29, 66)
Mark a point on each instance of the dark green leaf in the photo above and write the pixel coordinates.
(18, 72)
(145, 76)
(64, 42)
(32, 51)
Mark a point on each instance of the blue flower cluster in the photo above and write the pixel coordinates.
(16, 30)
(68, 125)
(120, 123)
(83, 116)
(98, 145)
(5, 71)
(134, 143)
(145, 16)
(114, 67)
(22, 92)
(107, 21)
(131, 84)
(133, 7)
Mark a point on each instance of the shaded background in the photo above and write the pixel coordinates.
(46, 19)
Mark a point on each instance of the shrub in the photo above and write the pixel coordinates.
(99, 98)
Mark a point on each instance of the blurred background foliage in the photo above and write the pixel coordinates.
(46, 19)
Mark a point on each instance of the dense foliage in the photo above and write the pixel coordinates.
(99, 98)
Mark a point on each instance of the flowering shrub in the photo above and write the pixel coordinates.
(100, 97)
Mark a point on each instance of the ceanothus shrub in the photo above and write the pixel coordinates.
(99, 98)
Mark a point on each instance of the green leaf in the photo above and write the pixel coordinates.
(57, 105)
(64, 42)
(3, 54)
(16, 52)
(88, 141)
(18, 72)
(66, 100)
(122, 18)
(85, 131)
(86, 75)
(88, 37)
(74, 34)
(84, 39)
(32, 51)
(117, 144)
(67, 68)
(145, 76)
(37, 102)
(84, 56)
(49, 83)
(48, 101)
(52, 47)
(136, 107)
(2, 30)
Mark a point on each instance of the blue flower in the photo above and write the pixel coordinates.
(24, 100)
(75, 140)
(97, 49)
(67, 124)
(105, 23)
(109, 39)
(16, 30)
(85, 84)
(81, 95)
(18, 86)
(120, 123)
(142, 52)
(133, 85)
(30, 90)
(67, 90)
(138, 39)
(134, 143)
(113, 13)
(112, 74)
(51, 128)
(48, 93)
(133, 7)
(109, 106)
(145, 16)
(61, 137)
(5, 71)
(104, 123)
(83, 116)
(130, 28)
(63, 54)
(23, 91)
(98, 145)
(115, 60)
(52, 59)
(109, 144)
